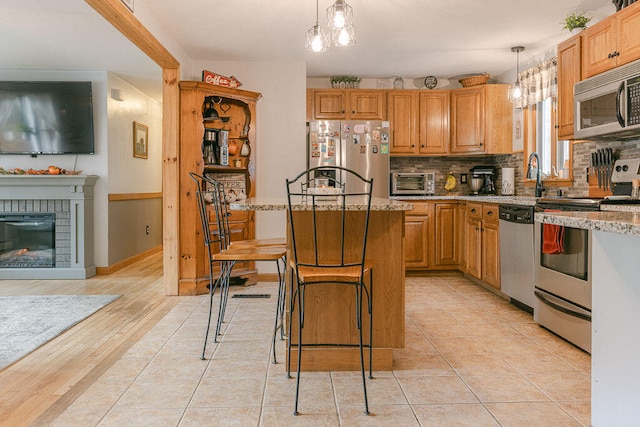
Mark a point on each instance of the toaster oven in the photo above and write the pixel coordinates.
(413, 183)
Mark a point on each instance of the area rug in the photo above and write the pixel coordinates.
(27, 322)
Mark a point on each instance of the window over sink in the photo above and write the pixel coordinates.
(540, 127)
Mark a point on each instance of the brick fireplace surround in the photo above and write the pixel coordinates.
(70, 197)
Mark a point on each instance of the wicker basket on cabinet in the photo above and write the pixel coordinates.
(474, 80)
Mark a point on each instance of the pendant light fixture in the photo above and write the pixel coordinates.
(517, 91)
(316, 39)
(340, 17)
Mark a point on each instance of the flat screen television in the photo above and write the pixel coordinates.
(46, 118)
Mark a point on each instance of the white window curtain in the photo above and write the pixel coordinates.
(541, 82)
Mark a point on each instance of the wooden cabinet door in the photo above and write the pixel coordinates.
(491, 253)
(474, 247)
(366, 105)
(569, 73)
(445, 234)
(599, 43)
(461, 220)
(628, 41)
(433, 135)
(402, 111)
(416, 236)
(330, 104)
(467, 120)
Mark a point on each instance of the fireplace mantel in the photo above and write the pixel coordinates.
(71, 198)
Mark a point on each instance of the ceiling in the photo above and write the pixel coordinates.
(408, 38)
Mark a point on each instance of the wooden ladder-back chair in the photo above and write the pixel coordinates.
(210, 195)
(328, 232)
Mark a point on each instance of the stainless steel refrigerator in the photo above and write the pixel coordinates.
(359, 145)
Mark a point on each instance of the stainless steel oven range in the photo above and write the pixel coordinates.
(563, 273)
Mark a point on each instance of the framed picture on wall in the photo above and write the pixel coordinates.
(140, 140)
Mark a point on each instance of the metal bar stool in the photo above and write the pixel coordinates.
(220, 249)
(328, 231)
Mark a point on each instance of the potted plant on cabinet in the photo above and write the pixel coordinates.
(575, 22)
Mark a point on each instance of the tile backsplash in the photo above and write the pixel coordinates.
(441, 166)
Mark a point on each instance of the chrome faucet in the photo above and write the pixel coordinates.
(539, 187)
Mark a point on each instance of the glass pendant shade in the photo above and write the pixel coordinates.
(344, 36)
(517, 92)
(316, 40)
(340, 15)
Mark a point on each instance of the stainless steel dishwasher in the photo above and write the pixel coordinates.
(517, 254)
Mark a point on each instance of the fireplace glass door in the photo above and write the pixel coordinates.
(27, 240)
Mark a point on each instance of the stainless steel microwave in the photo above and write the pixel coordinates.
(413, 183)
(607, 106)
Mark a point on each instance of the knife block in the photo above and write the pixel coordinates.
(594, 190)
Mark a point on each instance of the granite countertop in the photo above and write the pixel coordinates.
(281, 204)
(610, 221)
(509, 200)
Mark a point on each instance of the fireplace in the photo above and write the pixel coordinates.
(46, 226)
(27, 240)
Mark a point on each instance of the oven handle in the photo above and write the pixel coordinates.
(558, 307)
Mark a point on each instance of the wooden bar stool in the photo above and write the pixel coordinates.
(328, 231)
(220, 249)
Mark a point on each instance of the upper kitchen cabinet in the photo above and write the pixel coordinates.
(481, 120)
(402, 112)
(433, 122)
(419, 122)
(569, 73)
(340, 104)
(611, 42)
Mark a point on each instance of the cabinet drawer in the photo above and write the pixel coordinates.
(419, 208)
(234, 216)
(490, 213)
(474, 210)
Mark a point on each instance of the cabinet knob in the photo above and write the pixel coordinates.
(353, 112)
(473, 210)
(489, 213)
(422, 146)
(412, 145)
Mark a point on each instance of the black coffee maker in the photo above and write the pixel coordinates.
(488, 174)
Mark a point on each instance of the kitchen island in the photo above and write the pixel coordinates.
(615, 375)
(333, 306)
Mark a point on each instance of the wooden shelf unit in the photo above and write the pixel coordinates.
(241, 110)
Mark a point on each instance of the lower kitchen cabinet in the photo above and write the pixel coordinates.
(474, 247)
(491, 253)
(441, 235)
(431, 236)
(461, 233)
(483, 243)
(445, 235)
(416, 236)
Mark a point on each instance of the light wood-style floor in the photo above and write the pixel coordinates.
(38, 387)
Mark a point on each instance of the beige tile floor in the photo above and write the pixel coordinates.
(471, 359)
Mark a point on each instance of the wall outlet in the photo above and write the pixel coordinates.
(146, 230)
(463, 178)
